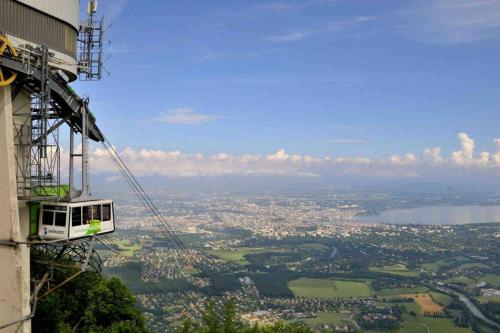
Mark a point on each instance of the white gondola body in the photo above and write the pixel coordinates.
(74, 220)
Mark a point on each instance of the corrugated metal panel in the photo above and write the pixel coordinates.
(32, 25)
(60, 60)
(65, 10)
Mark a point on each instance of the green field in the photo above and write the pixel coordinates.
(329, 318)
(237, 255)
(327, 288)
(128, 277)
(433, 266)
(128, 249)
(398, 291)
(463, 279)
(470, 283)
(440, 298)
(134, 282)
(492, 279)
(412, 306)
(488, 299)
(474, 265)
(315, 246)
(104, 254)
(421, 324)
(394, 270)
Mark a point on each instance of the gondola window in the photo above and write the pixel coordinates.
(96, 212)
(76, 216)
(48, 217)
(87, 214)
(106, 212)
(60, 219)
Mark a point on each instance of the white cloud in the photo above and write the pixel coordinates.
(453, 21)
(342, 24)
(185, 116)
(300, 34)
(429, 164)
(432, 156)
(496, 155)
(280, 155)
(403, 160)
(348, 141)
(289, 37)
(281, 6)
(466, 154)
(113, 8)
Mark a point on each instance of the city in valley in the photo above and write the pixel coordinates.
(313, 259)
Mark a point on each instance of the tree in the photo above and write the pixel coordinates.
(186, 325)
(111, 302)
(229, 316)
(210, 319)
(89, 304)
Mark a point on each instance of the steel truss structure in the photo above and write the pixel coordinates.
(63, 256)
(37, 137)
(90, 46)
(52, 104)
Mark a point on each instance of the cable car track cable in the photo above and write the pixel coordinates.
(144, 197)
(135, 183)
(147, 201)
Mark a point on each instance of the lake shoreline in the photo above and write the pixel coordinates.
(436, 215)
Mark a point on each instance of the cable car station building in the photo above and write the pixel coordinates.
(43, 47)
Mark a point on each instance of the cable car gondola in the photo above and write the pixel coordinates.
(74, 220)
(70, 213)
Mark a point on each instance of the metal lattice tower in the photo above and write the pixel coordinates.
(38, 169)
(90, 46)
(45, 168)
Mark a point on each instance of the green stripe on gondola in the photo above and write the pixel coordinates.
(60, 191)
(94, 228)
(34, 214)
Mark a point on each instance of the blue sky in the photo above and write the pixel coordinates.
(313, 77)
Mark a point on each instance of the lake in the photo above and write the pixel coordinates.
(437, 215)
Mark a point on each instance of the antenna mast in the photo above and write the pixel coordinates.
(90, 48)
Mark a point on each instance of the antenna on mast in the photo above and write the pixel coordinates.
(92, 7)
(90, 45)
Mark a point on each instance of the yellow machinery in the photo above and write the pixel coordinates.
(6, 49)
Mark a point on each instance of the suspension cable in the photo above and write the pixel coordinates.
(147, 200)
(148, 203)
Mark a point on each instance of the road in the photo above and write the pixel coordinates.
(351, 318)
(334, 252)
(427, 327)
